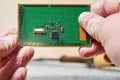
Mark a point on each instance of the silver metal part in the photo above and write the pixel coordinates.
(38, 31)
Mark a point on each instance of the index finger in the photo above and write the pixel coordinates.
(106, 7)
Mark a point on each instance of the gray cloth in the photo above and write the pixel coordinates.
(51, 70)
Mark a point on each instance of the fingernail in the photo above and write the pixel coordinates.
(84, 18)
(19, 59)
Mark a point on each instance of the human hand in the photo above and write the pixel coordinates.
(13, 59)
(103, 25)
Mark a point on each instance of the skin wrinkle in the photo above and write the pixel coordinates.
(104, 9)
(100, 49)
(98, 8)
(98, 28)
(7, 59)
(113, 8)
(9, 69)
(12, 63)
(91, 29)
(90, 23)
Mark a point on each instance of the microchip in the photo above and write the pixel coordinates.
(54, 34)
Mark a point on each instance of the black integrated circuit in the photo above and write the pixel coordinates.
(54, 35)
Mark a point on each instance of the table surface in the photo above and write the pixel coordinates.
(55, 70)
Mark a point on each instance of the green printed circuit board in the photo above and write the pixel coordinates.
(51, 25)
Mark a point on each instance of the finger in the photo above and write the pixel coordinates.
(107, 59)
(9, 32)
(88, 52)
(9, 57)
(20, 60)
(7, 45)
(106, 7)
(92, 23)
(20, 74)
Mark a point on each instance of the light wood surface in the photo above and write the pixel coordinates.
(8, 19)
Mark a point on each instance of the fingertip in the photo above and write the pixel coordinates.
(84, 53)
(81, 52)
(89, 52)
(29, 49)
(20, 74)
(24, 56)
(81, 16)
(86, 19)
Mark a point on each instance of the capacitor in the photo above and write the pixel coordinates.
(38, 31)
(62, 29)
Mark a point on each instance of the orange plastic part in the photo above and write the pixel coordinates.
(82, 34)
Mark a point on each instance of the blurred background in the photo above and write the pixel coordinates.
(62, 63)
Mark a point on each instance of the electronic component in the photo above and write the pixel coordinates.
(38, 31)
(54, 35)
(59, 28)
(62, 29)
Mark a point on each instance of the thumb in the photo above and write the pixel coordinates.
(92, 23)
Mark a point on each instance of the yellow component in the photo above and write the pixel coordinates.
(99, 61)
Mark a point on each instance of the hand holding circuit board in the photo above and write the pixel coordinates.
(103, 25)
(96, 18)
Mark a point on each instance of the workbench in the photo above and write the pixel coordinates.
(55, 70)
